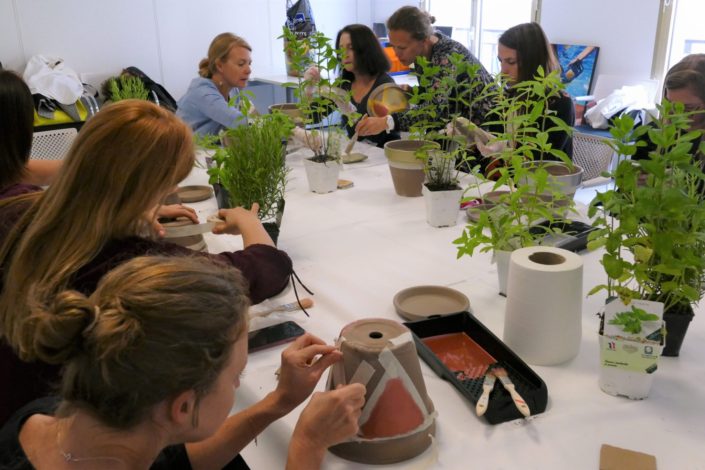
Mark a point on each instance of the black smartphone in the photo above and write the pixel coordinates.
(273, 335)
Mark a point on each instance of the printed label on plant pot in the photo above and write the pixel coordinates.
(629, 355)
(637, 320)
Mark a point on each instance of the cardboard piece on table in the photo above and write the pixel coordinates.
(345, 184)
(616, 458)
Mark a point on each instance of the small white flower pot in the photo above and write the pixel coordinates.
(501, 257)
(442, 207)
(322, 177)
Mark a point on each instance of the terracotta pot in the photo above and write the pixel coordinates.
(398, 419)
(562, 177)
(406, 169)
(677, 322)
(291, 110)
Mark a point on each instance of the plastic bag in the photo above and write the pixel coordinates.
(626, 98)
(299, 19)
(51, 77)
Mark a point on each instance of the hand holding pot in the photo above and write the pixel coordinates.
(302, 365)
(330, 418)
(170, 211)
(241, 221)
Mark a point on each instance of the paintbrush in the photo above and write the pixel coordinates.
(290, 307)
(503, 376)
(487, 387)
(351, 144)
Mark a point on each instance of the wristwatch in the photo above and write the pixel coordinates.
(390, 123)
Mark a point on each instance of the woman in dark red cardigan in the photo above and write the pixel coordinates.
(97, 214)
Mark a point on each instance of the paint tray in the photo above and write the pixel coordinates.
(501, 407)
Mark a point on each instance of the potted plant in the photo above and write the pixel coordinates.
(524, 192)
(318, 95)
(433, 156)
(652, 225)
(250, 166)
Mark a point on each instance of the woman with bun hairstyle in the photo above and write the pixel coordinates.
(411, 35)
(145, 372)
(205, 106)
(99, 213)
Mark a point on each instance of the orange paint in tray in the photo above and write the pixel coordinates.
(461, 354)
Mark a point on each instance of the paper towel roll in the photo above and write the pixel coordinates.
(544, 305)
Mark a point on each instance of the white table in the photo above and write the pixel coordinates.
(356, 248)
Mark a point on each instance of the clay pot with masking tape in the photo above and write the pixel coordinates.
(398, 419)
(185, 233)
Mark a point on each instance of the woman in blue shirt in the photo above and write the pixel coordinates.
(205, 106)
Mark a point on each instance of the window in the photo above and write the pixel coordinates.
(477, 24)
(687, 34)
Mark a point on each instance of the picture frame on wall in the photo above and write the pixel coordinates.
(577, 67)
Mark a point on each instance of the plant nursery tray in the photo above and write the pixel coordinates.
(501, 407)
(573, 236)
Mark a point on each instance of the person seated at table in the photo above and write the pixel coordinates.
(521, 50)
(99, 213)
(19, 174)
(147, 370)
(365, 67)
(411, 35)
(206, 105)
(684, 83)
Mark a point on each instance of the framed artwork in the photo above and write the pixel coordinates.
(577, 67)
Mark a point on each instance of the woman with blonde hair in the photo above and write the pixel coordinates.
(145, 372)
(99, 214)
(206, 105)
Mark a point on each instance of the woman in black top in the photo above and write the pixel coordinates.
(365, 67)
(522, 49)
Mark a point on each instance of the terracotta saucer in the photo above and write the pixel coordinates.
(421, 302)
(194, 193)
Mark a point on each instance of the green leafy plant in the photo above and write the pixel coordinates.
(434, 105)
(531, 196)
(652, 225)
(317, 98)
(250, 166)
(127, 87)
(631, 321)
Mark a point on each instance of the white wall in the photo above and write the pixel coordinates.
(164, 38)
(167, 38)
(625, 31)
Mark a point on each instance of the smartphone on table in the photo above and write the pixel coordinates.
(274, 335)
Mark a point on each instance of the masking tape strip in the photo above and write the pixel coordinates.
(402, 339)
(363, 374)
(337, 374)
(188, 230)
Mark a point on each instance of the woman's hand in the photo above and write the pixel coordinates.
(329, 418)
(236, 220)
(371, 126)
(303, 363)
(312, 74)
(170, 211)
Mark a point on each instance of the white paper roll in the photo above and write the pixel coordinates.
(544, 305)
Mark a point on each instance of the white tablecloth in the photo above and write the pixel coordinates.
(356, 248)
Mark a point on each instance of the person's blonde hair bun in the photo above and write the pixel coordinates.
(58, 330)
